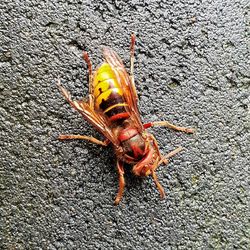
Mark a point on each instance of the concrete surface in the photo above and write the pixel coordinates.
(192, 68)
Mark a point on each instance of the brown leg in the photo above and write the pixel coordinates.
(87, 60)
(84, 137)
(169, 125)
(165, 161)
(91, 88)
(169, 155)
(132, 56)
(158, 185)
(121, 182)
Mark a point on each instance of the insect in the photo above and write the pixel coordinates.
(112, 109)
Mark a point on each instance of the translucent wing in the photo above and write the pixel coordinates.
(91, 116)
(126, 83)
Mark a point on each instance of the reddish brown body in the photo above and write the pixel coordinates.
(112, 109)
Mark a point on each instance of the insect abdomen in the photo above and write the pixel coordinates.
(108, 94)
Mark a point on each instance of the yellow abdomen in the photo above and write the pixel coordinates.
(108, 94)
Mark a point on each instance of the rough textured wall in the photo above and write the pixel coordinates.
(192, 68)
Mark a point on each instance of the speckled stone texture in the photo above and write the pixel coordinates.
(192, 68)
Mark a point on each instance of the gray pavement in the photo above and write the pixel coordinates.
(192, 68)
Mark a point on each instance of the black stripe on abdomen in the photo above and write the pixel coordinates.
(114, 98)
(116, 110)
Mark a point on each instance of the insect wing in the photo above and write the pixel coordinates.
(90, 115)
(127, 85)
